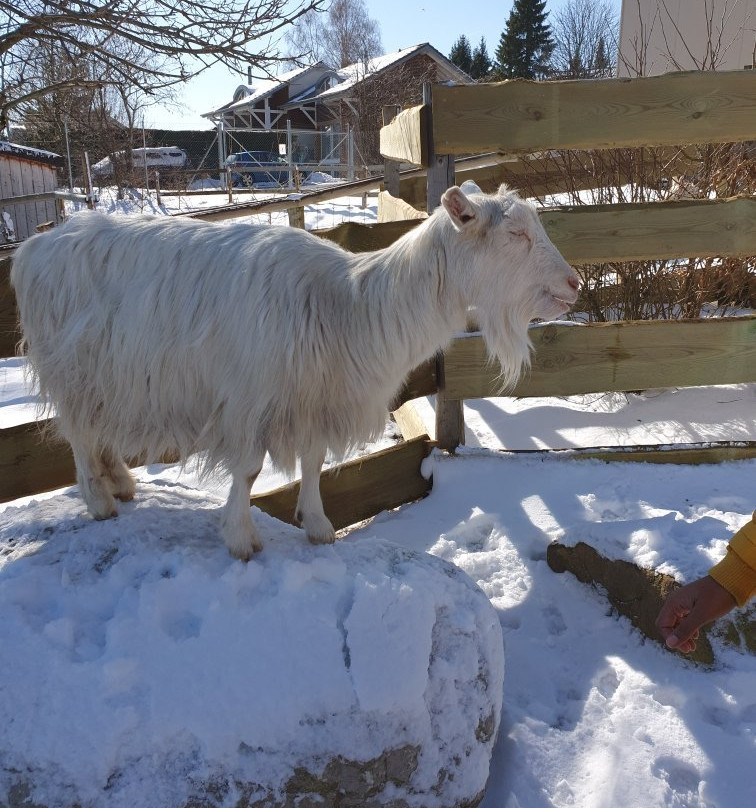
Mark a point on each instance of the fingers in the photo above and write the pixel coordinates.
(689, 608)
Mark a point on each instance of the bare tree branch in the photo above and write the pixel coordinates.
(152, 44)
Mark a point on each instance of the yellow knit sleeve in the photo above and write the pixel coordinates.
(736, 572)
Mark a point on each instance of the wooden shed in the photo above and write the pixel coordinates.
(30, 174)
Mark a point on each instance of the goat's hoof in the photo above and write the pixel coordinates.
(243, 555)
(243, 546)
(323, 536)
(101, 516)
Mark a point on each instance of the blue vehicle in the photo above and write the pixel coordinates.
(260, 168)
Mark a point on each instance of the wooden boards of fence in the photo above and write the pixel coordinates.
(698, 228)
(526, 116)
(361, 488)
(605, 357)
(405, 138)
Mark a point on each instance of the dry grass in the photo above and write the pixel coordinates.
(642, 290)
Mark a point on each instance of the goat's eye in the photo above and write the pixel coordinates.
(521, 234)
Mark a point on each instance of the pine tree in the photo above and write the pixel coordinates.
(602, 65)
(526, 44)
(481, 65)
(461, 54)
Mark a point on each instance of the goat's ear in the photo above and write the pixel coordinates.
(470, 187)
(504, 190)
(460, 209)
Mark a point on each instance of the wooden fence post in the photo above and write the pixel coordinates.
(297, 217)
(450, 422)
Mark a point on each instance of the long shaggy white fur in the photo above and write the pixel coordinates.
(151, 336)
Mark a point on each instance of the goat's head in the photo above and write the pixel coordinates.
(508, 269)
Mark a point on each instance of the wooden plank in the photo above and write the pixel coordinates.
(422, 381)
(9, 333)
(527, 116)
(621, 232)
(31, 463)
(687, 454)
(366, 237)
(409, 421)
(404, 140)
(361, 488)
(656, 230)
(605, 357)
(393, 209)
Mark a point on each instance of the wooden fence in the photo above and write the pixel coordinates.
(512, 118)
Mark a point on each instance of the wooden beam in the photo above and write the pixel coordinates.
(409, 421)
(527, 116)
(603, 357)
(404, 140)
(694, 454)
(361, 488)
(393, 209)
(357, 238)
(654, 230)
(31, 462)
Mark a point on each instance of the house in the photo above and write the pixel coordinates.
(23, 172)
(659, 36)
(311, 111)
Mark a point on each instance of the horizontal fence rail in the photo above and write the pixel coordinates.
(695, 107)
(605, 357)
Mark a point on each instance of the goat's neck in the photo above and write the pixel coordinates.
(415, 286)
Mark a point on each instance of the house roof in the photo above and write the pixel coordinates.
(28, 153)
(251, 95)
(354, 74)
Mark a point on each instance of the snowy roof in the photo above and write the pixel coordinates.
(353, 74)
(28, 153)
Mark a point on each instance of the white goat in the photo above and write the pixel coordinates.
(150, 336)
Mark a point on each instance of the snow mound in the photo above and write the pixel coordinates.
(153, 670)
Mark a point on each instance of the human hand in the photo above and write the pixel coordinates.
(688, 608)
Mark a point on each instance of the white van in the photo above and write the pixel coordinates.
(156, 158)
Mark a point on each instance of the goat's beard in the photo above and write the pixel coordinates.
(507, 341)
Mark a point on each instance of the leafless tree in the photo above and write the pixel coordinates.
(149, 44)
(717, 25)
(346, 35)
(586, 35)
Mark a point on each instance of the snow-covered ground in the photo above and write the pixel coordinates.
(594, 715)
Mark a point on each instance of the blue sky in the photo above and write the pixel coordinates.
(403, 23)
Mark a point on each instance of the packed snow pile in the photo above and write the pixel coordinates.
(150, 669)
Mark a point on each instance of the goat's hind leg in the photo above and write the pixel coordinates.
(120, 479)
(237, 528)
(310, 513)
(95, 486)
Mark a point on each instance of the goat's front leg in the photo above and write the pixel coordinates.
(310, 513)
(237, 528)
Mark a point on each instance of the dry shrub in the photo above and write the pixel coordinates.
(687, 287)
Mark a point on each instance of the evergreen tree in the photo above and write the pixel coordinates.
(526, 45)
(481, 65)
(602, 65)
(461, 54)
